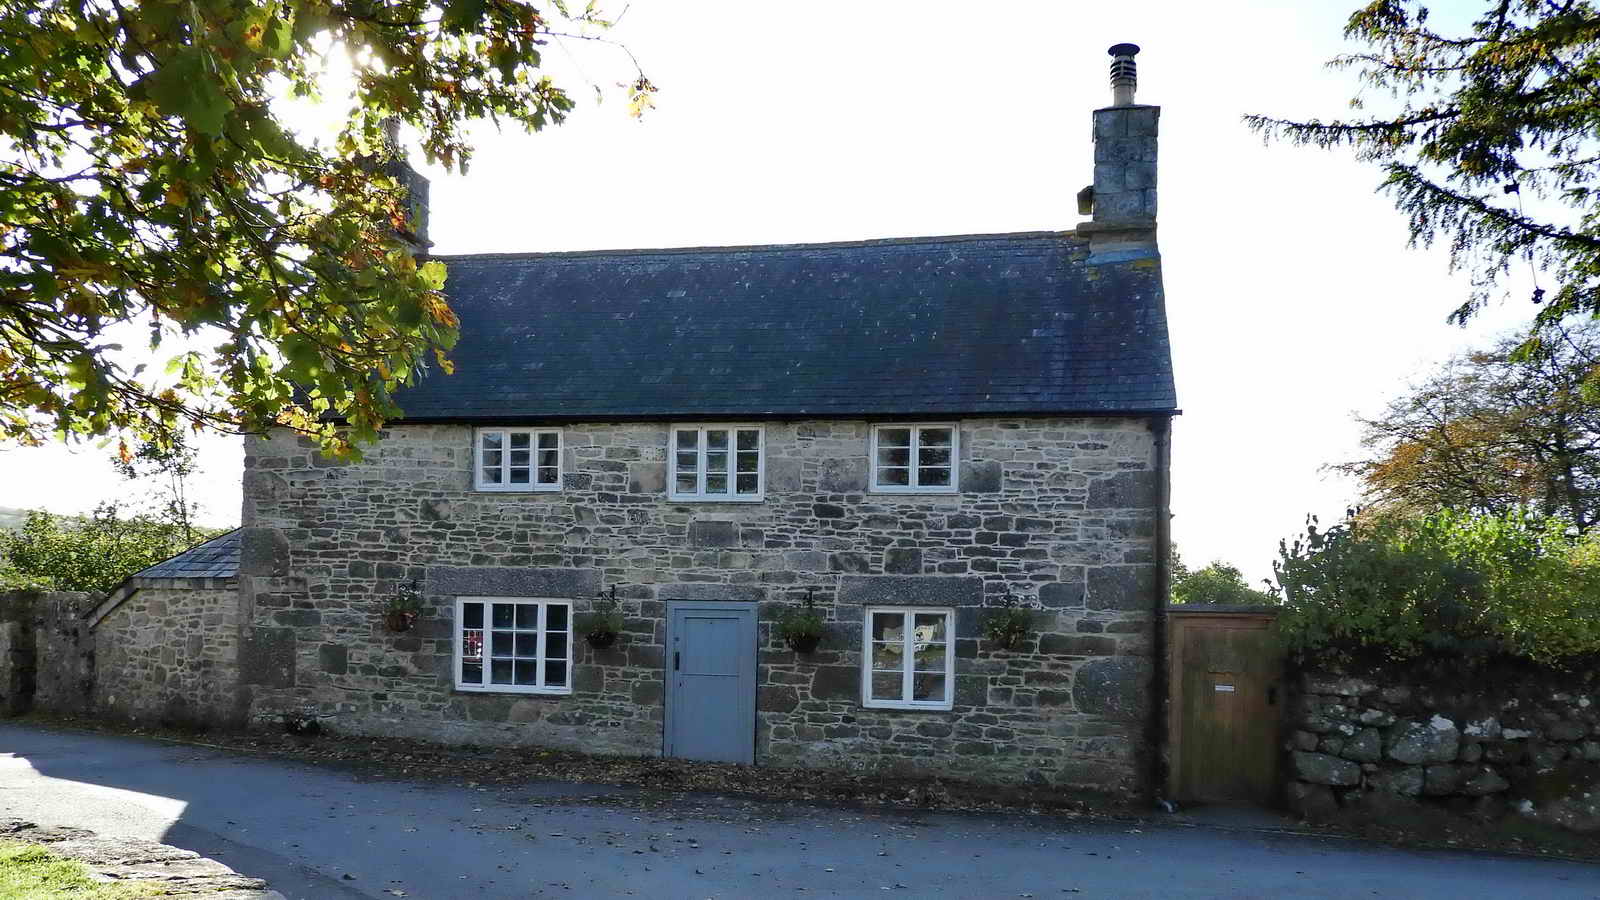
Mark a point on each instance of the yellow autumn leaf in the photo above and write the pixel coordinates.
(177, 194)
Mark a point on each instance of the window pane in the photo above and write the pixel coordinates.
(716, 438)
(504, 615)
(471, 645)
(888, 657)
(749, 462)
(520, 440)
(886, 686)
(933, 477)
(519, 476)
(894, 456)
(492, 457)
(491, 440)
(749, 439)
(688, 462)
(471, 671)
(716, 461)
(550, 458)
(555, 673)
(900, 476)
(686, 483)
(527, 672)
(930, 657)
(521, 457)
(555, 617)
(527, 615)
(747, 484)
(549, 440)
(886, 626)
(688, 439)
(472, 615)
(491, 475)
(894, 437)
(934, 456)
(555, 646)
(716, 484)
(500, 671)
(934, 437)
(548, 475)
(928, 687)
(931, 626)
(500, 644)
(528, 645)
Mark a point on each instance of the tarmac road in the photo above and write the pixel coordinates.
(316, 832)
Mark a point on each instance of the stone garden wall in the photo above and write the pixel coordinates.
(168, 654)
(1059, 514)
(43, 662)
(1511, 738)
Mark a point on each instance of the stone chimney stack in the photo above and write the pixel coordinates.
(1122, 200)
(416, 188)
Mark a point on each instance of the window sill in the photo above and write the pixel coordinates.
(513, 689)
(681, 499)
(926, 492)
(909, 707)
(481, 489)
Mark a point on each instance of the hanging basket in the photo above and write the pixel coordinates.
(600, 640)
(399, 621)
(803, 643)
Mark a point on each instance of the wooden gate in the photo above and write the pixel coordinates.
(1226, 713)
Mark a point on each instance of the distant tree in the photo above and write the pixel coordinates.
(96, 553)
(1493, 431)
(1505, 111)
(169, 466)
(1218, 582)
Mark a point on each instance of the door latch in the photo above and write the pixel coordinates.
(675, 655)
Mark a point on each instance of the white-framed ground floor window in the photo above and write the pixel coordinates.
(518, 645)
(907, 660)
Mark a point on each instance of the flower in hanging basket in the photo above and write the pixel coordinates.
(802, 628)
(601, 626)
(404, 606)
(1007, 627)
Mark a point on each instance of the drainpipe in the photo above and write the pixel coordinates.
(1161, 429)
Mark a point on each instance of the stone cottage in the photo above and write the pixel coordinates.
(912, 433)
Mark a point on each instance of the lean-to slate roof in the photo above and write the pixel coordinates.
(216, 558)
(981, 324)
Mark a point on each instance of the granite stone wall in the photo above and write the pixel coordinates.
(43, 663)
(1511, 739)
(168, 653)
(1058, 515)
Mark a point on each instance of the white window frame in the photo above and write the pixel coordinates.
(533, 460)
(458, 639)
(954, 487)
(699, 495)
(907, 674)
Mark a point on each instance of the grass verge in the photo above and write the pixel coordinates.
(31, 872)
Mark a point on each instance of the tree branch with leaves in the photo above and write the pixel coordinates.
(150, 192)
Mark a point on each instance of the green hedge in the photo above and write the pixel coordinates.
(1453, 582)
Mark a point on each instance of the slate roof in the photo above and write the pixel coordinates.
(976, 324)
(216, 558)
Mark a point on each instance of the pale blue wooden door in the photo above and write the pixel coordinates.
(711, 681)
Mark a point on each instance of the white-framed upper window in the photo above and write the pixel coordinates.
(717, 462)
(915, 459)
(513, 644)
(907, 659)
(517, 459)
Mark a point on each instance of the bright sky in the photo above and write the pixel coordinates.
(1292, 298)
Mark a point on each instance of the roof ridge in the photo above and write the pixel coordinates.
(731, 248)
